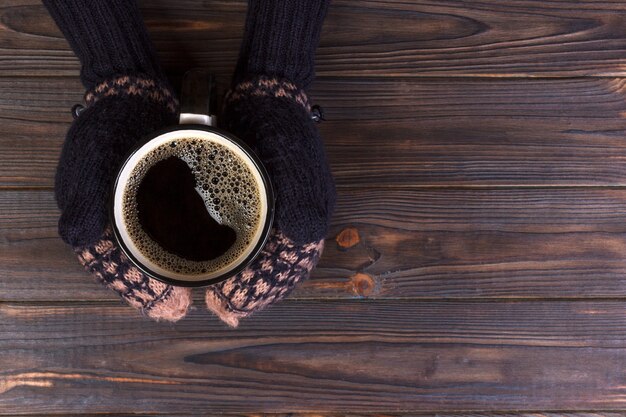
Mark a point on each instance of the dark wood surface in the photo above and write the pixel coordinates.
(476, 265)
(359, 355)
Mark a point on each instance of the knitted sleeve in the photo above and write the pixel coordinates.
(108, 37)
(280, 40)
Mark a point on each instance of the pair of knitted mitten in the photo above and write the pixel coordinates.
(128, 97)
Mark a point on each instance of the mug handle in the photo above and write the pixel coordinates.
(198, 98)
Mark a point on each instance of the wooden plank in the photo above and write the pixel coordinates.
(364, 414)
(475, 133)
(393, 132)
(35, 116)
(470, 414)
(381, 38)
(377, 414)
(424, 244)
(350, 356)
(384, 414)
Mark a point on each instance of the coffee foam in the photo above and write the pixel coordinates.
(228, 188)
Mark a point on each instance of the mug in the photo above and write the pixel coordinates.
(196, 121)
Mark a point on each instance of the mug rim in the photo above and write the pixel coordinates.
(269, 217)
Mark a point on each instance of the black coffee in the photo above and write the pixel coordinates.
(192, 206)
(174, 215)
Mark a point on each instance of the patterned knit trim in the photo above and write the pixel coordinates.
(270, 278)
(133, 86)
(264, 86)
(114, 270)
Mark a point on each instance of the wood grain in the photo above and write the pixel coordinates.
(385, 133)
(527, 243)
(317, 357)
(427, 414)
(468, 414)
(373, 38)
(446, 132)
(376, 414)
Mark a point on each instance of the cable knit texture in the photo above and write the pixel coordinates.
(108, 37)
(280, 40)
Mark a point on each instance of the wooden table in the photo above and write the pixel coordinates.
(476, 263)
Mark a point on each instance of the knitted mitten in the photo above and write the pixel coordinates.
(127, 97)
(268, 108)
